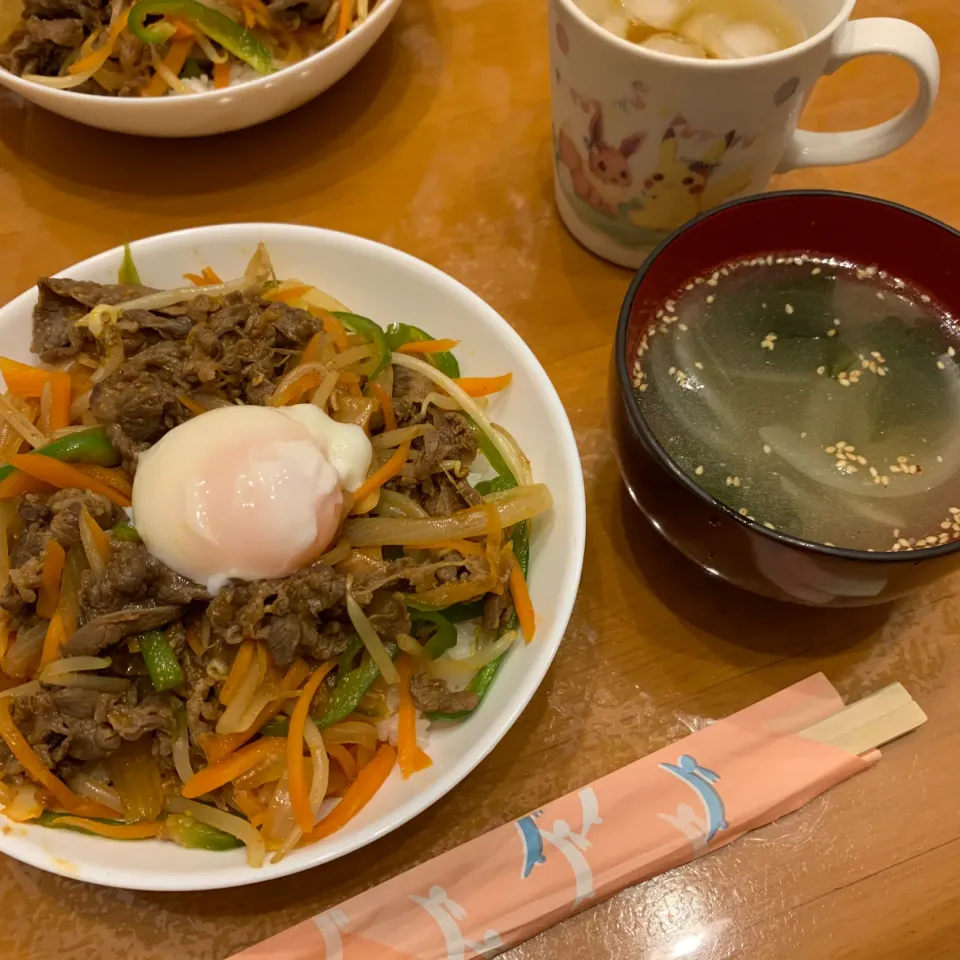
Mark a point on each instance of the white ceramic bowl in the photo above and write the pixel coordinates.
(216, 111)
(385, 285)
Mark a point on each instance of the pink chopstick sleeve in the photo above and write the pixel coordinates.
(654, 814)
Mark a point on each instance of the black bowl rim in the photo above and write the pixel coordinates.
(639, 421)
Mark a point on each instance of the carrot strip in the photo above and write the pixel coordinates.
(174, 60)
(221, 75)
(467, 547)
(56, 637)
(343, 756)
(53, 560)
(334, 328)
(195, 408)
(241, 663)
(427, 346)
(295, 391)
(299, 794)
(59, 474)
(216, 746)
(286, 294)
(115, 831)
(386, 405)
(18, 484)
(311, 352)
(483, 386)
(111, 476)
(223, 771)
(61, 387)
(193, 639)
(343, 22)
(369, 780)
(92, 62)
(412, 757)
(99, 538)
(210, 275)
(196, 279)
(522, 602)
(37, 772)
(386, 472)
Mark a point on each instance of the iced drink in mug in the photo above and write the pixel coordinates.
(664, 108)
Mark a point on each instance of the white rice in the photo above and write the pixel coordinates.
(239, 73)
(387, 729)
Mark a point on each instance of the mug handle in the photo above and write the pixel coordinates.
(858, 38)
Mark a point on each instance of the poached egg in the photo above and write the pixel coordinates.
(247, 492)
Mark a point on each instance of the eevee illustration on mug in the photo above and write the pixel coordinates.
(605, 164)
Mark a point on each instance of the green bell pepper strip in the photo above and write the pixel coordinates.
(128, 269)
(444, 634)
(400, 333)
(162, 664)
(85, 446)
(481, 681)
(49, 818)
(277, 727)
(372, 332)
(345, 663)
(183, 829)
(350, 689)
(239, 41)
(126, 532)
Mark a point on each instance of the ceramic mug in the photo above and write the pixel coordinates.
(644, 141)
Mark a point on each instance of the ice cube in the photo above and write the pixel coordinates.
(617, 25)
(749, 40)
(729, 39)
(660, 14)
(673, 44)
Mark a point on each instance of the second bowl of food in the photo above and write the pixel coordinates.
(255, 539)
(785, 396)
(182, 68)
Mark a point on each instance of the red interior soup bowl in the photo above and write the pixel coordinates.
(782, 396)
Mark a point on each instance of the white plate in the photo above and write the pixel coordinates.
(215, 111)
(387, 286)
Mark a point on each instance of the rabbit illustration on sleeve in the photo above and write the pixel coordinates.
(605, 165)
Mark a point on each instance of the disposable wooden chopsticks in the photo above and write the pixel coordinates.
(871, 722)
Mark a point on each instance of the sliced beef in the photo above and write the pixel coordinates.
(294, 327)
(91, 12)
(64, 508)
(434, 695)
(284, 612)
(388, 615)
(410, 389)
(134, 716)
(110, 628)
(134, 578)
(42, 46)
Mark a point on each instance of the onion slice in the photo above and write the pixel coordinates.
(318, 785)
(371, 641)
(520, 503)
(469, 406)
(72, 665)
(446, 668)
(227, 822)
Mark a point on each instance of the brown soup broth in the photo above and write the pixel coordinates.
(813, 396)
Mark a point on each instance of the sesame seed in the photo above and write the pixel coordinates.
(683, 327)
(954, 510)
(766, 448)
(672, 371)
(836, 321)
(945, 525)
(931, 540)
(698, 365)
(903, 542)
(880, 295)
(896, 532)
(742, 511)
(769, 526)
(885, 481)
(861, 460)
(642, 387)
(951, 352)
(873, 473)
(830, 449)
(699, 471)
(729, 481)
(894, 468)
(924, 298)
(939, 459)
(736, 481)
(814, 271)
(941, 365)
(821, 371)
(711, 298)
(831, 333)
(901, 459)
(689, 286)
(788, 308)
(803, 436)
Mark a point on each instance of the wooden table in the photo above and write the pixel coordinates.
(439, 144)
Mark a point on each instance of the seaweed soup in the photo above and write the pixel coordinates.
(813, 396)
